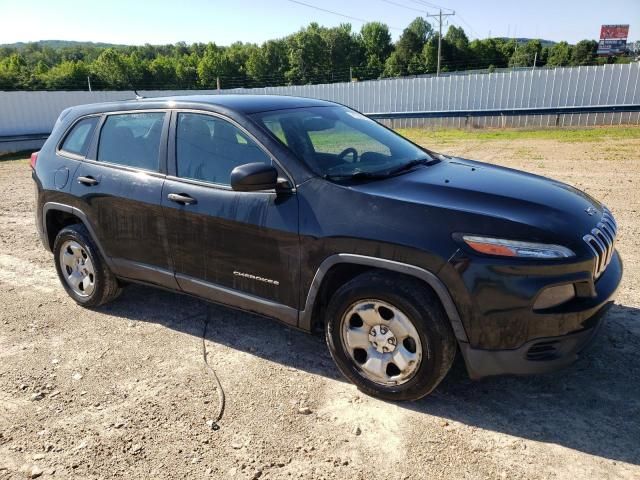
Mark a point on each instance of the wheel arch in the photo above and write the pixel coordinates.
(56, 216)
(358, 264)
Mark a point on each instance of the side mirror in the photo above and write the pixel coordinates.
(252, 177)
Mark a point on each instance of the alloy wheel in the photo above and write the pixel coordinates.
(77, 268)
(382, 342)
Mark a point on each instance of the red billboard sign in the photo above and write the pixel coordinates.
(610, 32)
(613, 39)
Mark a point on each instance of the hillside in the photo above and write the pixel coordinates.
(523, 40)
(56, 44)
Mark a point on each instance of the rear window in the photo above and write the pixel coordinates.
(78, 139)
(132, 139)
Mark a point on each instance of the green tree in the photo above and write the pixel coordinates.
(68, 75)
(455, 50)
(421, 30)
(524, 55)
(313, 54)
(487, 53)
(507, 47)
(14, 72)
(407, 57)
(559, 55)
(309, 59)
(112, 70)
(268, 64)
(430, 54)
(163, 71)
(584, 52)
(214, 64)
(376, 43)
(345, 51)
(236, 56)
(187, 71)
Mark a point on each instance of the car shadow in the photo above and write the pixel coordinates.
(592, 406)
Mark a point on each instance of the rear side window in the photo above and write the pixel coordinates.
(132, 139)
(209, 148)
(78, 139)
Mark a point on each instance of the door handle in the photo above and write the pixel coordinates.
(181, 198)
(88, 180)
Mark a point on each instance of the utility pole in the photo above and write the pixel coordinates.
(439, 17)
(89, 82)
(535, 59)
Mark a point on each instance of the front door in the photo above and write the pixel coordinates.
(238, 248)
(120, 187)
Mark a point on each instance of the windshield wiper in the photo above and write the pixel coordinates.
(360, 175)
(356, 176)
(411, 164)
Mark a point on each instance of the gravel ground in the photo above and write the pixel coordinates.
(123, 391)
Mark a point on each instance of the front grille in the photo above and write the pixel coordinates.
(602, 241)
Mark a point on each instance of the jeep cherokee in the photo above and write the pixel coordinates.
(309, 212)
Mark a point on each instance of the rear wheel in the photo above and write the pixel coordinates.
(390, 336)
(81, 269)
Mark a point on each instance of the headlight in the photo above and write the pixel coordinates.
(513, 248)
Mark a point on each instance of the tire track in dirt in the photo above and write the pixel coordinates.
(23, 275)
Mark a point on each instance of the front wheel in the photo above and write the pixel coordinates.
(389, 335)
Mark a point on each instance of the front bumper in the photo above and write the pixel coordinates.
(537, 356)
(550, 352)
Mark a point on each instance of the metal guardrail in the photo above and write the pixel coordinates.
(24, 138)
(508, 112)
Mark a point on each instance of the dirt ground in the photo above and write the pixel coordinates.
(123, 391)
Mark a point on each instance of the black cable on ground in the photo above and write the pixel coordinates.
(219, 389)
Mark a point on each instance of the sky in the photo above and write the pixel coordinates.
(224, 21)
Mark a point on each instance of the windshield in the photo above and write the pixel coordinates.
(336, 142)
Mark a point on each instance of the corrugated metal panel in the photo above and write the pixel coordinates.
(36, 112)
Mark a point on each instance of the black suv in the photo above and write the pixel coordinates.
(311, 213)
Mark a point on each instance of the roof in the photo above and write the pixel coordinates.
(244, 103)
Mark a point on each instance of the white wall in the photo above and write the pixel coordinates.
(36, 112)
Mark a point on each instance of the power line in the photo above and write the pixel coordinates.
(402, 6)
(427, 4)
(432, 5)
(469, 26)
(357, 19)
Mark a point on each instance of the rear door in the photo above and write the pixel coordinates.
(120, 185)
(239, 248)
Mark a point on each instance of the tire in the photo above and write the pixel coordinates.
(81, 269)
(405, 311)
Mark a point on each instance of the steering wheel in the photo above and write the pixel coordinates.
(348, 151)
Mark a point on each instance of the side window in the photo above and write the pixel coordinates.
(276, 128)
(78, 139)
(208, 148)
(131, 139)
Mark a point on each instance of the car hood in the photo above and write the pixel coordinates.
(497, 192)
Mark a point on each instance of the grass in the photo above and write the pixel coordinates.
(527, 153)
(570, 135)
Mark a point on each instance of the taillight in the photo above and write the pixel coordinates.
(34, 159)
